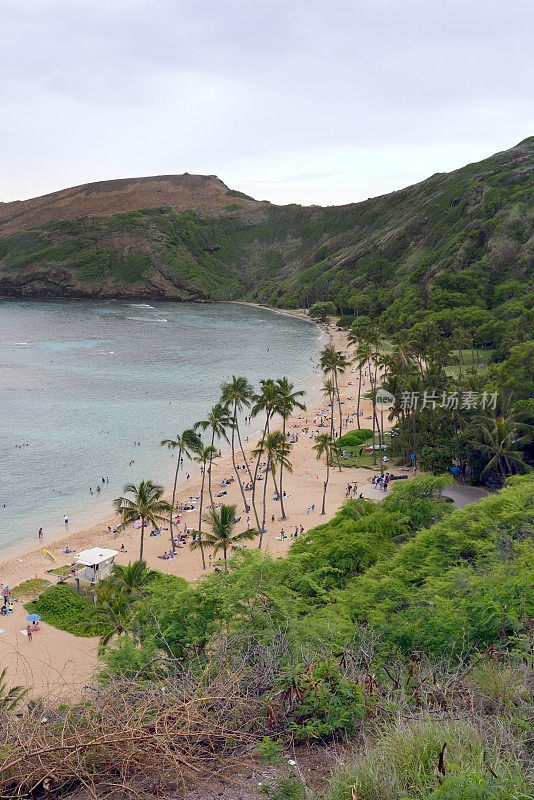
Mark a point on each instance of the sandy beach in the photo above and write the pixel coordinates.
(59, 664)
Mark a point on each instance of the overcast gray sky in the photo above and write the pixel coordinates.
(308, 101)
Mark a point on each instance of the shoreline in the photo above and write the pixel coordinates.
(18, 564)
(60, 664)
(98, 517)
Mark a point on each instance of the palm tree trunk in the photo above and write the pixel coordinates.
(278, 491)
(264, 504)
(282, 509)
(456, 436)
(359, 395)
(339, 406)
(374, 402)
(338, 454)
(200, 516)
(174, 497)
(374, 415)
(209, 471)
(248, 469)
(381, 441)
(238, 477)
(142, 538)
(224, 553)
(403, 430)
(414, 440)
(326, 481)
(264, 434)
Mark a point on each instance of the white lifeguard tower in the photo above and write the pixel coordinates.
(97, 564)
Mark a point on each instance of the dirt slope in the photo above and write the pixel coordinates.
(204, 193)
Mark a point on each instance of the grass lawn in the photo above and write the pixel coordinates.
(365, 460)
(29, 588)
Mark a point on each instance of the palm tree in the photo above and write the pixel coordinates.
(329, 391)
(413, 386)
(460, 339)
(420, 339)
(219, 420)
(238, 394)
(131, 579)
(374, 340)
(402, 348)
(146, 505)
(114, 613)
(275, 448)
(185, 443)
(323, 447)
(221, 536)
(391, 382)
(288, 402)
(362, 507)
(334, 363)
(265, 400)
(500, 436)
(278, 449)
(203, 455)
(362, 357)
(9, 698)
(384, 362)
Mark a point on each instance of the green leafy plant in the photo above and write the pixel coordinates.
(269, 750)
(322, 702)
(10, 698)
(284, 788)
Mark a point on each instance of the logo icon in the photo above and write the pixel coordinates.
(384, 399)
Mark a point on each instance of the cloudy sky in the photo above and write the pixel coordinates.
(308, 101)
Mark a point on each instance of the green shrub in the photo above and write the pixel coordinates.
(270, 750)
(327, 702)
(63, 608)
(355, 438)
(285, 788)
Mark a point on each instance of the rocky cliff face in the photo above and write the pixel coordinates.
(62, 283)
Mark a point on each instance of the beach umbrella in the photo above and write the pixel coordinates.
(33, 618)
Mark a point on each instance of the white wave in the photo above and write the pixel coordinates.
(140, 305)
(147, 319)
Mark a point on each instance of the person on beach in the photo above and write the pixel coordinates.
(40, 534)
(66, 519)
(29, 632)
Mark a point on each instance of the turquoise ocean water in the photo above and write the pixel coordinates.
(82, 382)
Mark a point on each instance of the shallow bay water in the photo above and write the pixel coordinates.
(82, 383)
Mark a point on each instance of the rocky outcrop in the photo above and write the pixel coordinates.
(46, 283)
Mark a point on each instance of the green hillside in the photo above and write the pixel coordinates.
(456, 247)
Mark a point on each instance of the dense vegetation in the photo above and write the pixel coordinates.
(456, 249)
(405, 624)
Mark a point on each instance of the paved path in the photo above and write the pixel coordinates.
(462, 494)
